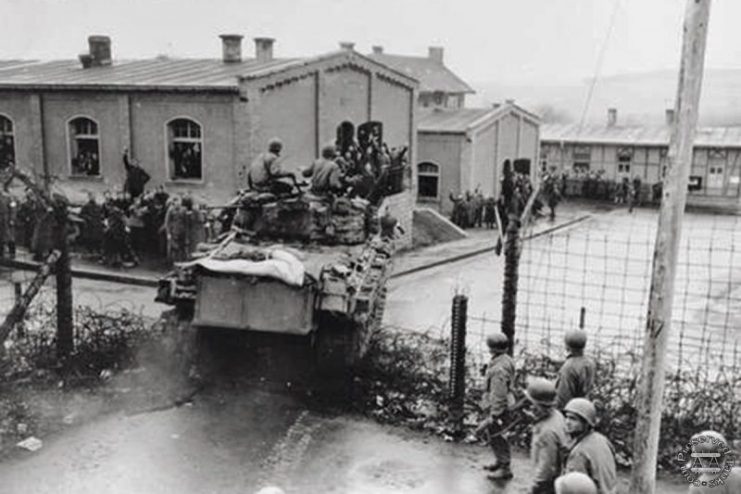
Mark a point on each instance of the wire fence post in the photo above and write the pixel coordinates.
(458, 361)
(582, 316)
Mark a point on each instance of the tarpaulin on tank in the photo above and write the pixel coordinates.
(278, 264)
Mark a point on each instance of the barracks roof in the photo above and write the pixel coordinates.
(432, 76)
(461, 120)
(160, 73)
(636, 135)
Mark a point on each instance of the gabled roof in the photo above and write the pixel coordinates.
(657, 136)
(432, 76)
(178, 74)
(462, 120)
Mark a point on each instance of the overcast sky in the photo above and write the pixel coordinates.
(508, 41)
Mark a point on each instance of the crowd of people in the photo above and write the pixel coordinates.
(594, 185)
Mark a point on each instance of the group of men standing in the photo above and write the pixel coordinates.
(567, 454)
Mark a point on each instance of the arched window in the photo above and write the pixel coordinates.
(428, 181)
(7, 143)
(84, 147)
(185, 149)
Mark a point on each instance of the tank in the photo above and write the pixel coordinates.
(293, 268)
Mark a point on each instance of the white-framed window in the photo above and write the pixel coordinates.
(428, 181)
(625, 158)
(184, 149)
(7, 143)
(84, 147)
(582, 159)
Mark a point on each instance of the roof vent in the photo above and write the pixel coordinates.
(378, 50)
(435, 53)
(611, 117)
(347, 45)
(264, 49)
(231, 48)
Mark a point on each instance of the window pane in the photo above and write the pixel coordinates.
(427, 187)
(427, 168)
(85, 156)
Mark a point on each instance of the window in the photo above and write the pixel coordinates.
(185, 149)
(582, 159)
(84, 147)
(625, 157)
(7, 143)
(428, 181)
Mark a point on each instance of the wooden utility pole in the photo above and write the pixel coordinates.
(658, 321)
(65, 323)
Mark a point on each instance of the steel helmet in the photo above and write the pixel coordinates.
(271, 489)
(582, 408)
(541, 392)
(275, 145)
(576, 338)
(328, 151)
(497, 341)
(575, 483)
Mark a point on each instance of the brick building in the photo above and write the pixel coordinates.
(461, 149)
(194, 124)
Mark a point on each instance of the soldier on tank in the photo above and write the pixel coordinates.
(326, 175)
(266, 173)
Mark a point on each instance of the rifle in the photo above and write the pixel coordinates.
(501, 427)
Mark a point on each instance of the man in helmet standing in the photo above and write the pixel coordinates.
(591, 453)
(496, 400)
(266, 173)
(576, 377)
(548, 436)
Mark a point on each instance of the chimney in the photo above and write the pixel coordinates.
(347, 45)
(435, 53)
(231, 48)
(611, 117)
(378, 50)
(670, 116)
(99, 52)
(510, 101)
(264, 49)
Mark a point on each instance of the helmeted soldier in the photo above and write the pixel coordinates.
(266, 174)
(576, 376)
(325, 173)
(590, 452)
(495, 402)
(548, 436)
(575, 483)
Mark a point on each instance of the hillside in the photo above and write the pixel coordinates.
(639, 98)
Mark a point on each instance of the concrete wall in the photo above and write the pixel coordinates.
(392, 105)
(401, 206)
(344, 96)
(445, 151)
(484, 171)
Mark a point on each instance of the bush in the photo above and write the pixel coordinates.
(102, 341)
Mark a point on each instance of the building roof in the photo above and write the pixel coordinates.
(181, 74)
(432, 76)
(462, 120)
(636, 135)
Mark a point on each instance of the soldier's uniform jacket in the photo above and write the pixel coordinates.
(592, 454)
(325, 176)
(546, 451)
(499, 379)
(575, 379)
(264, 168)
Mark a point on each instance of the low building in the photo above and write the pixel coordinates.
(462, 149)
(193, 124)
(614, 152)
